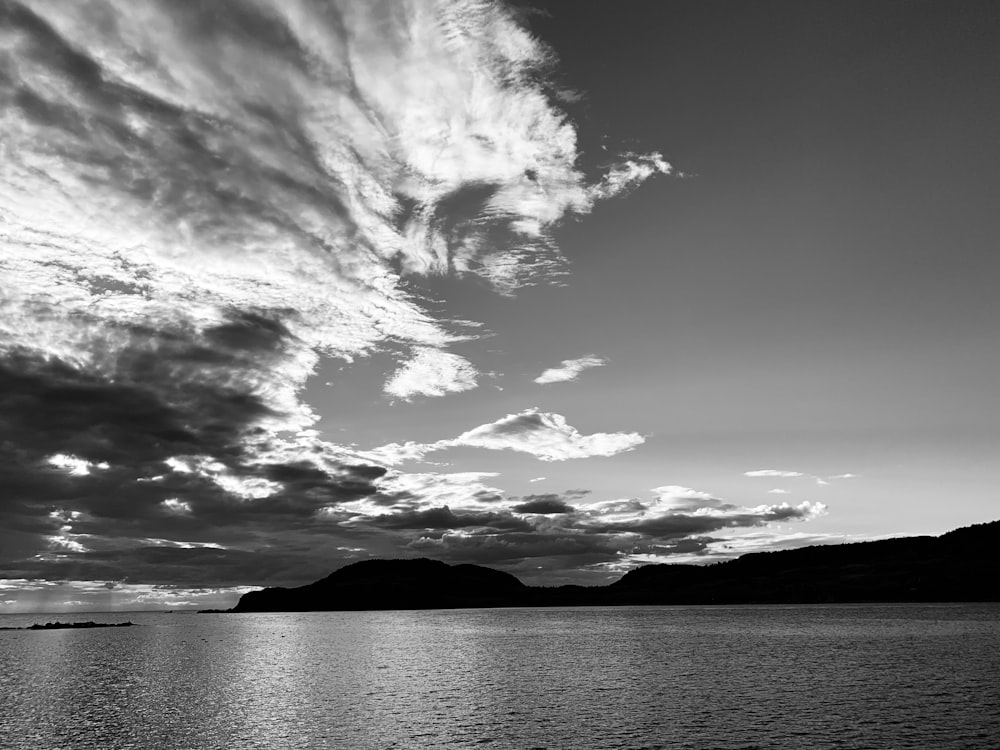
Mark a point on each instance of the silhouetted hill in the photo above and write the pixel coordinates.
(962, 565)
(958, 566)
(393, 584)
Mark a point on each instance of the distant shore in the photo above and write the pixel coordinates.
(72, 625)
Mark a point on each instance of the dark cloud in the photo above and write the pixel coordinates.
(679, 525)
(686, 546)
(548, 503)
(138, 412)
(249, 331)
(566, 546)
(177, 566)
(596, 540)
(445, 518)
(124, 421)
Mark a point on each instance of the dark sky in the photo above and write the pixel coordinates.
(559, 289)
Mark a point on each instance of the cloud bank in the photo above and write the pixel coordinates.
(198, 202)
(601, 538)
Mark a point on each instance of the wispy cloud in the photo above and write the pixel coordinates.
(719, 548)
(544, 435)
(629, 174)
(569, 370)
(781, 474)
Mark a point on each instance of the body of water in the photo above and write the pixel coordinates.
(884, 677)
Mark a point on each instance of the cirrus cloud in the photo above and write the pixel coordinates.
(773, 473)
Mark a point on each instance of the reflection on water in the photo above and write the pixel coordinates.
(894, 676)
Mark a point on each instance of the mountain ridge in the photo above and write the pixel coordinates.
(960, 565)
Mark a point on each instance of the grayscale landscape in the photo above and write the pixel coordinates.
(509, 373)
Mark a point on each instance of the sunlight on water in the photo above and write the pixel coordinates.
(899, 676)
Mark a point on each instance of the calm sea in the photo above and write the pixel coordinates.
(798, 677)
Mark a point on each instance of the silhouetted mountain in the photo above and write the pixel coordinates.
(393, 584)
(962, 565)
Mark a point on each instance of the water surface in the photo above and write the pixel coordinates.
(726, 678)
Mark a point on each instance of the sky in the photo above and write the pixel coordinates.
(561, 288)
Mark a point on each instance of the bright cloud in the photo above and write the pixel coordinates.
(544, 435)
(628, 175)
(432, 372)
(569, 370)
(466, 489)
(76, 466)
(773, 473)
(781, 474)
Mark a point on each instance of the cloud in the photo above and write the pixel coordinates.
(679, 512)
(198, 205)
(31, 596)
(629, 174)
(392, 454)
(683, 513)
(75, 465)
(569, 370)
(595, 539)
(444, 518)
(773, 473)
(716, 549)
(432, 372)
(684, 498)
(287, 162)
(544, 435)
(777, 491)
(545, 504)
(459, 489)
(776, 473)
